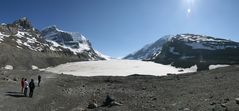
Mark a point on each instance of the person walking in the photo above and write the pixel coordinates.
(32, 87)
(39, 80)
(22, 85)
(26, 85)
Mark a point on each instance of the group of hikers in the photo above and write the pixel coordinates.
(25, 86)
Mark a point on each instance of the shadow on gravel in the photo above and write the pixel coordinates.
(15, 94)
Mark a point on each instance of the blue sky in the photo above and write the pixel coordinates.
(119, 27)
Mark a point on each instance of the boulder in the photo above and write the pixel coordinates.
(92, 105)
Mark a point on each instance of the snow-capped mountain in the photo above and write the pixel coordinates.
(22, 45)
(22, 35)
(149, 51)
(73, 41)
(186, 50)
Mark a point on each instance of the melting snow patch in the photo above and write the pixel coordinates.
(19, 42)
(2, 36)
(8, 67)
(33, 40)
(19, 47)
(34, 67)
(217, 66)
(20, 34)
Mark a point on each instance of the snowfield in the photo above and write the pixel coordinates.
(117, 68)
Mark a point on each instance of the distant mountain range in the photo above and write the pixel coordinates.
(186, 50)
(22, 46)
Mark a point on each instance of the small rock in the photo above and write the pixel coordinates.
(212, 103)
(144, 88)
(226, 100)
(92, 106)
(154, 99)
(186, 109)
(5, 79)
(223, 105)
(237, 100)
(219, 108)
(180, 70)
(14, 79)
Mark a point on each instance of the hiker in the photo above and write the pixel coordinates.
(39, 80)
(32, 87)
(25, 87)
(22, 85)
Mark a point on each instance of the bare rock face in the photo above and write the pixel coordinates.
(24, 23)
(8, 29)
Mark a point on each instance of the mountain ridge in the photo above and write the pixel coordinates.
(186, 50)
(22, 38)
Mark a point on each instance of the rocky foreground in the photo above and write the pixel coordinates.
(214, 90)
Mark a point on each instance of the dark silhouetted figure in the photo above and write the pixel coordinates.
(39, 80)
(25, 87)
(109, 101)
(32, 87)
(22, 85)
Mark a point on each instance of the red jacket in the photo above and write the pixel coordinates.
(22, 83)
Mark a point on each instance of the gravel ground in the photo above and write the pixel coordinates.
(213, 90)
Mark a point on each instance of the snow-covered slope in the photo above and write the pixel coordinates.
(149, 51)
(117, 68)
(186, 50)
(22, 45)
(73, 41)
(206, 42)
(22, 35)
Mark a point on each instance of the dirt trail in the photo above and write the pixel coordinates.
(213, 90)
(12, 99)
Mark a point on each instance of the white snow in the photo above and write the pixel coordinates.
(196, 45)
(8, 67)
(19, 42)
(2, 36)
(31, 40)
(201, 38)
(19, 47)
(102, 55)
(20, 34)
(217, 66)
(75, 51)
(117, 68)
(34, 67)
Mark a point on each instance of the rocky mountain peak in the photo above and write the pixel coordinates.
(23, 23)
(52, 28)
